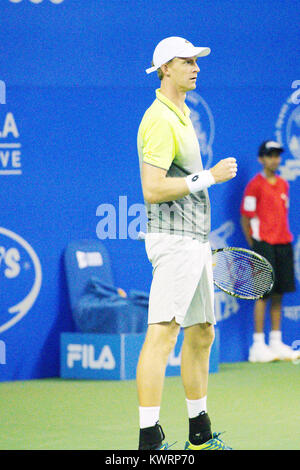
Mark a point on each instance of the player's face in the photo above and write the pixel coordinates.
(183, 73)
(271, 162)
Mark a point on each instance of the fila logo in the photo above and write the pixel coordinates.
(85, 354)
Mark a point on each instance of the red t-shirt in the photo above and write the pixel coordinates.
(267, 205)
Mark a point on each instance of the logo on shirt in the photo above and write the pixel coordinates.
(288, 134)
(204, 125)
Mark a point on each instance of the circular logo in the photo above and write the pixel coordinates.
(288, 135)
(293, 132)
(203, 122)
(287, 131)
(21, 278)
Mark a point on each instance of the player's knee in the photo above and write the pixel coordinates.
(203, 338)
(168, 342)
(207, 336)
(163, 339)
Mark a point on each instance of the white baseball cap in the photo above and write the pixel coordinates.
(172, 47)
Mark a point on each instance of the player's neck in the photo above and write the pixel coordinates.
(174, 94)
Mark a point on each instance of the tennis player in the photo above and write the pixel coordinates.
(264, 220)
(182, 295)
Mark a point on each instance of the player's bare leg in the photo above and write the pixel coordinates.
(195, 359)
(194, 372)
(160, 340)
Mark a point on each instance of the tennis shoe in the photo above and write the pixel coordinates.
(215, 443)
(165, 446)
(284, 352)
(260, 352)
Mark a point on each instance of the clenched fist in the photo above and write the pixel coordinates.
(224, 170)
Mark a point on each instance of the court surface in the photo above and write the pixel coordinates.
(257, 405)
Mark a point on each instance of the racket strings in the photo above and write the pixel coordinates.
(241, 273)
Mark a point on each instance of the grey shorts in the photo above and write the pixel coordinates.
(182, 285)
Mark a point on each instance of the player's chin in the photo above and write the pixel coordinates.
(193, 84)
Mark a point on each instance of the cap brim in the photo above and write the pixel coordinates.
(194, 52)
(202, 51)
(151, 69)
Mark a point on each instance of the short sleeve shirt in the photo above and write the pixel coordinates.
(266, 205)
(167, 140)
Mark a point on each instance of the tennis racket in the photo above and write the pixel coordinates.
(240, 272)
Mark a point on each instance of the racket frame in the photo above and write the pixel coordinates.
(255, 255)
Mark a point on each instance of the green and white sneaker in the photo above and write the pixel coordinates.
(215, 443)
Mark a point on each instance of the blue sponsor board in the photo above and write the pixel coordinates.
(90, 356)
(114, 357)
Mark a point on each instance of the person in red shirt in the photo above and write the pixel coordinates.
(264, 221)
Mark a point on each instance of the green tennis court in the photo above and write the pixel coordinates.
(256, 404)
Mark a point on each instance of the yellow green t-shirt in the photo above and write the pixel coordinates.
(167, 140)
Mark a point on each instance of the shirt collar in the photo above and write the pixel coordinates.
(183, 116)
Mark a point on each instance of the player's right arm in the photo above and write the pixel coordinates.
(158, 188)
(159, 149)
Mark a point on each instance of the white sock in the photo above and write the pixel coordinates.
(275, 336)
(259, 338)
(149, 415)
(196, 406)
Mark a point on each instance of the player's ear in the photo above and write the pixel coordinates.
(165, 70)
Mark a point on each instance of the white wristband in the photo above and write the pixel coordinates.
(199, 181)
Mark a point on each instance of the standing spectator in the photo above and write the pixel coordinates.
(264, 220)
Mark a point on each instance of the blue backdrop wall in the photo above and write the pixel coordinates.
(73, 91)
